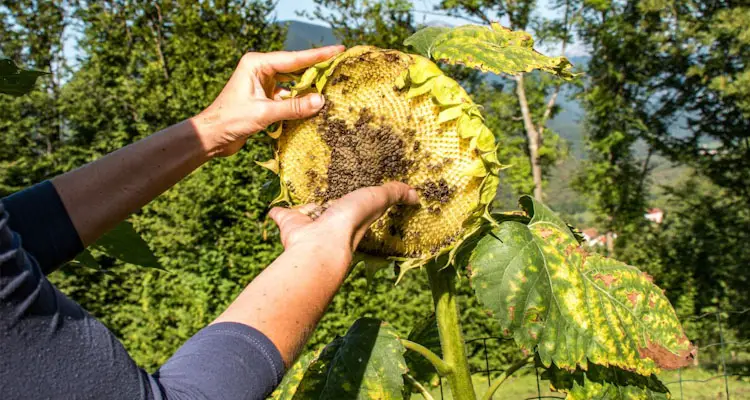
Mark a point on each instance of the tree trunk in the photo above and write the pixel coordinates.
(533, 136)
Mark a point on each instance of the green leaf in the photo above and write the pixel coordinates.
(422, 40)
(489, 189)
(15, 81)
(424, 333)
(125, 244)
(88, 260)
(422, 70)
(572, 306)
(416, 91)
(476, 168)
(451, 113)
(448, 92)
(367, 363)
(491, 48)
(600, 383)
(485, 141)
(288, 386)
(372, 265)
(271, 165)
(270, 190)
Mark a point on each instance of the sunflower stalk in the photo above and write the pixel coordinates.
(443, 288)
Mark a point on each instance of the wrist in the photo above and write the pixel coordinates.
(208, 127)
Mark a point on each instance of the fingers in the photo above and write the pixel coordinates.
(294, 108)
(291, 61)
(364, 206)
(281, 93)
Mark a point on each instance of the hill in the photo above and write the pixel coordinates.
(302, 35)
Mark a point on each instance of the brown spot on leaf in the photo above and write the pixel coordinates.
(545, 233)
(648, 277)
(633, 298)
(607, 279)
(666, 359)
(512, 312)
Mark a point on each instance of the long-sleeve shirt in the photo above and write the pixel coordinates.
(51, 348)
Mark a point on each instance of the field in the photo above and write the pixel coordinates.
(524, 387)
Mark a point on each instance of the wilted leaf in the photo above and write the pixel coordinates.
(491, 48)
(15, 81)
(424, 333)
(125, 244)
(367, 363)
(288, 386)
(574, 307)
(600, 383)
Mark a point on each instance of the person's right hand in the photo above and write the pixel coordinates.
(338, 230)
(251, 101)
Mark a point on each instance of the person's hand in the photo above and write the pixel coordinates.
(338, 229)
(251, 100)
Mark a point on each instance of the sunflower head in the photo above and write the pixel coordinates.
(392, 116)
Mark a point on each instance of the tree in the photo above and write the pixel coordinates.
(534, 111)
(697, 254)
(385, 24)
(143, 66)
(33, 128)
(668, 76)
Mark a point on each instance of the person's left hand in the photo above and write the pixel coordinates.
(251, 101)
(338, 229)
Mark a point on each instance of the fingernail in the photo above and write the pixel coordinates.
(317, 100)
(412, 197)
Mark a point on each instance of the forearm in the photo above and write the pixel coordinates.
(286, 301)
(99, 195)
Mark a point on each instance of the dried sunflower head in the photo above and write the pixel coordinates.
(392, 116)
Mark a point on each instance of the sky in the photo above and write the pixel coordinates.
(286, 10)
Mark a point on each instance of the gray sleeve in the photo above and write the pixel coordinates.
(223, 361)
(38, 215)
(51, 348)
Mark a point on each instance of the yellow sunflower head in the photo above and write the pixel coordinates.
(392, 116)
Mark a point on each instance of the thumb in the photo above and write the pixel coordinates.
(294, 108)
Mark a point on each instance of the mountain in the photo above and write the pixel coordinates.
(303, 35)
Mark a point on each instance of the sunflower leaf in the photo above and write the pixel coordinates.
(366, 363)
(15, 81)
(572, 306)
(491, 48)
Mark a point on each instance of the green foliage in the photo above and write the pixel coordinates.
(366, 363)
(380, 23)
(495, 49)
(599, 383)
(426, 334)
(669, 77)
(142, 67)
(570, 306)
(704, 233)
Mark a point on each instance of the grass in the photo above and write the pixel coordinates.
(705, 385)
